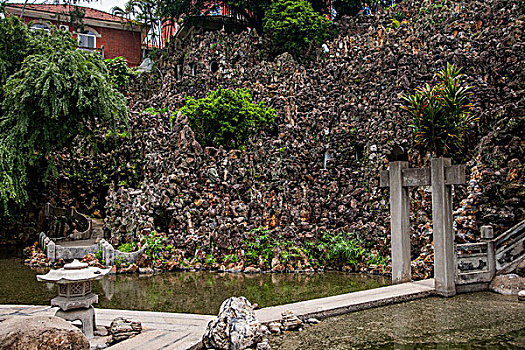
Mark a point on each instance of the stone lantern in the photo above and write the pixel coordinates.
(74, 298)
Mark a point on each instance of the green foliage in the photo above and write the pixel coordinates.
(295, 26)
(16, 43)
(173, 10)
(145, 14)
(230, 259)
(119, 71)
(377, 259)
(98, 255)
(56, 94)
(155, 245)
(210, 259)
(119, 260)
(399, 16)
(441, 114)
(340, 249)
(126, 247)
(226, 117)
(258, 243)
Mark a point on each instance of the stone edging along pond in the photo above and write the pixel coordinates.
(47, 253)
(55, 252)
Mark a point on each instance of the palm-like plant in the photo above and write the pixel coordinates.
(441, 114)
(145, 14)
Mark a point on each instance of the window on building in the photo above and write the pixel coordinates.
(87, 40)
(39, 26)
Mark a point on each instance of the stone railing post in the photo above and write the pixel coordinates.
(51, 251)
(443, 231)
(487, 234)
(108, 252)
(400, 224)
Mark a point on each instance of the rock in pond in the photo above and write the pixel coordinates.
(510, 284)
(235, 328)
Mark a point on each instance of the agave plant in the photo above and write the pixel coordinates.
(441, 114)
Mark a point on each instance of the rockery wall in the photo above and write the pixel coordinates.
(339, 123)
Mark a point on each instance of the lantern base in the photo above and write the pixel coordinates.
(86, 316)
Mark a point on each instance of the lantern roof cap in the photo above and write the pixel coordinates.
(74, 272)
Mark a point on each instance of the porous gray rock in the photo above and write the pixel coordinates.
(312, 320)
(235, 328)
(290, 322)
(122, 329)
(510, 284)
(274, 327)
(42, 333)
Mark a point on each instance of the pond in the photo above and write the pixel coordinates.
(465, 322)
(188, 292)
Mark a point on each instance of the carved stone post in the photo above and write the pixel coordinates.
(400, 224)
(441, 176)
(443, 231)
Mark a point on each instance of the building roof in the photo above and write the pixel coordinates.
(90, 13)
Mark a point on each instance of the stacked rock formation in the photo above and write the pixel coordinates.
(339, 123)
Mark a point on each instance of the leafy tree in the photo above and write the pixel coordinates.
(172, 10)
(119, 71)
(441, 114)
(16, 43)
(145, 14)
(58, 93)
(226, 117)
(295, 26)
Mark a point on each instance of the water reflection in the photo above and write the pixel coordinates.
(191, 292)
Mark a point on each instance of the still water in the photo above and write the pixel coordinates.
(188, 292)
(474, 321)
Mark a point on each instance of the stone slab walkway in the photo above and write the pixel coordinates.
(345, 303)
(163, 330)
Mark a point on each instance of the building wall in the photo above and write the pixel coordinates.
(120, 43)
(116, 42)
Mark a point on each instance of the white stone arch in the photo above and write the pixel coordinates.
(47, 24)
(90, 29)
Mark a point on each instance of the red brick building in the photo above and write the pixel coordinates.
(111, 35)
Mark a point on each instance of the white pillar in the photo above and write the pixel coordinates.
(399, 224)
(443, 231)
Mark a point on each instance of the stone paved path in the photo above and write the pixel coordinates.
(163, 330)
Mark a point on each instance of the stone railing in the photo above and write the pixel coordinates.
(72, 226)
(109, 254)
(66, 223)
(478, 263)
